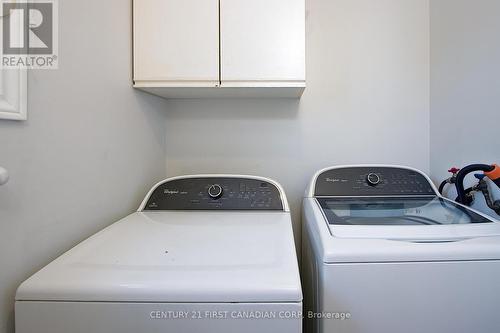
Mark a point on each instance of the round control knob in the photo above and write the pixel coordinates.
(373, 179)
(215, 191)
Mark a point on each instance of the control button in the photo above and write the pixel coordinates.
(215, 191)
(373, 179)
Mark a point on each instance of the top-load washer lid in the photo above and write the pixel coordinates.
(187, 243)
(401, 211)
(393, 209)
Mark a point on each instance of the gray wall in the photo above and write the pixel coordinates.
(367, 101)
(465, 83)
(90, 150)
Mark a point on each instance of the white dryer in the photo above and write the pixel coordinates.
(383, 252)
(209, 253)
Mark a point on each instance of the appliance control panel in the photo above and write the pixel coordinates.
(372, 181)
(215, 193)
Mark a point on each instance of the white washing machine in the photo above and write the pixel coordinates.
(384, 253)
(209, 253)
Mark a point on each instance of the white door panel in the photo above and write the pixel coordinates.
(262, 41)
(176, 41)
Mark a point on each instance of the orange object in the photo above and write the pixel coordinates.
(494, 174)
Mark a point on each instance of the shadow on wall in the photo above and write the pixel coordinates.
(234, 109)
(231, 135)
(153, 108)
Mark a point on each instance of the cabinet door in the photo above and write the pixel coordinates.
(176, 43)
(262, 42)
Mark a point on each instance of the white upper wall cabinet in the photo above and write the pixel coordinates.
(176, 43)
(263, 43)
(214, 48)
